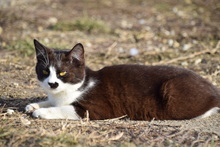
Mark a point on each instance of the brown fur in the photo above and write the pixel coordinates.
(147, 92)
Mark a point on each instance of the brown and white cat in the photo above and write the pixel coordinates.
(140, 92)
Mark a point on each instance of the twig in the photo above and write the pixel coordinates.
(87, 116)
(3, 107)
(110, 49)
(185, 57)
(3, 114)
(149, 128)
(212, 51)
(116, 137)
(118, 118)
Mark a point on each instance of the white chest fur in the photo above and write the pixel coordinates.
(69, 95)
(66, 93)
(64, 97)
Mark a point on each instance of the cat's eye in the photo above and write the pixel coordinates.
(62, 73)
(45, 72)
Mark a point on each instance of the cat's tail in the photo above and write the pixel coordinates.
(210, 112)
(215, 109)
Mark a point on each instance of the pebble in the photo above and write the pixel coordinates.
(25, 121)
(142, 21)
(134, 51)
(184, 63)
(52, 20)
(170, 42)
(126, 24)
(121, 50)
(10, 111)
(197, 61)
(88, 44)
(40, 28)
(46, 40)
(186, 47)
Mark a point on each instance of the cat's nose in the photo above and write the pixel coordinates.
(53, 85)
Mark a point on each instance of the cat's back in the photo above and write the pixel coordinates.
(142, 72)
(153, 77)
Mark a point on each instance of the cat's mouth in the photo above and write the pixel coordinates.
(54, 90)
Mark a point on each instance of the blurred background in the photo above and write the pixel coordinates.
(153, 25)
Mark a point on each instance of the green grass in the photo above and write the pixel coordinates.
(85, 24)
(164, 7)
(24, 47)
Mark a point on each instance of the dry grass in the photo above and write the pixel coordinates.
(20, 130)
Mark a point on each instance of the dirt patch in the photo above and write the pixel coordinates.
(184, 34)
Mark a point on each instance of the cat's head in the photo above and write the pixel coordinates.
(59, 70)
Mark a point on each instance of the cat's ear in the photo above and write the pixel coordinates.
(77, 52)
(41, 50)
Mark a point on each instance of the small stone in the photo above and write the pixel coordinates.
(134, 51)
(16, 84)
(185, 34)
(40, 28)
(121, 50)
(88, 44)
(186, 47)
(52, 20)
(46, 40)
(176, 44)
(3, 44)
(197, 61)
(25, 121)
(126, 24)
(10, 111)
(184, 64)
(170, 42)
(142, 21)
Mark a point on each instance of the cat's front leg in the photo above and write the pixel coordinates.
(34, 106)
(63, 112)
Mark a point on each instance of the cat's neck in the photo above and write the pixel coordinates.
(90, 78)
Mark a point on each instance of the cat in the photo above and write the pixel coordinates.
(138, 91)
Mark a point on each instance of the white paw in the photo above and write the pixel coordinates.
(31, 107)
(41, 113)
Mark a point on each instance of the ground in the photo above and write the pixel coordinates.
(149, 32)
